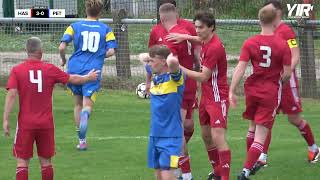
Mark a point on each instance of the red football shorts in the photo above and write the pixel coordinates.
(24, 139)
(214, 114)
(262, 110)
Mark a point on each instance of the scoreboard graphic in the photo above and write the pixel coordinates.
(40, 12)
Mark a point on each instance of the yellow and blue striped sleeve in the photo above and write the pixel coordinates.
(68, 35)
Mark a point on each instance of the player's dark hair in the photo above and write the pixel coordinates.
(94, 7)
(167, 7)
(206, 18)
(168, 1)
(159, 50)
(277, 4)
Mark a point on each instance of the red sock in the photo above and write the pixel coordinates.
(253, 154)
(225, 159)
(184, 164)
(188, 135)
(22, 173)
(306, 132)
(47, 172)
(267, 143)
(250, 139)
(214, 160)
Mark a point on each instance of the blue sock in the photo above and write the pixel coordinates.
(84, 117)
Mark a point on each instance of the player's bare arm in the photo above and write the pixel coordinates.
(178, 38)
(196, 59)
(173, 63)
(110, 52)
(62, 48)
(287, 70)
(198, 76)
(144, 58)
(295, 57)
(78, 79)
(10, 100)
(236, 78)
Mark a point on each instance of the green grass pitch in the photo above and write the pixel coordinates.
(118, 138)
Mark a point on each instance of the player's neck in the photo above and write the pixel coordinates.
(208, 39)
(267, 31)
(34, 56)
(169, 25)
(91, 18)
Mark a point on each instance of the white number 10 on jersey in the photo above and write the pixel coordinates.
(36, 81)
(91, 41)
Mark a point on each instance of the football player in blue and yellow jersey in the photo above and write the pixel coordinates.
(93, 41)
(166, 131)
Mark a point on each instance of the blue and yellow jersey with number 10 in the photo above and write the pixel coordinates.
(91, 40)
(166, 97)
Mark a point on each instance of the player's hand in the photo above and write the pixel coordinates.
(176, 38)
(6, 128)
(233, 100)
(93, 74)
(63, 62)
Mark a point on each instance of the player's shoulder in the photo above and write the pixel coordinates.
(185, 22)
(156, 27)
(284, 27)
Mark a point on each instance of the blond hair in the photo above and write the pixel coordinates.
(94, 7)
(267, 14)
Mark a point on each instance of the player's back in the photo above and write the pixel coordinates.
(268, 54)
(90, 45)
(35, 81)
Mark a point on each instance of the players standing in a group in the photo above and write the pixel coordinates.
(166, 138)
(186, 54)
(290, 100)
(214, 104)
(33, 81)
(271, 59)
(93, 42)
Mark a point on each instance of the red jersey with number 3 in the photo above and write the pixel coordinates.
(213, 56)
(35, 80)
(268, 54)
(182, 50)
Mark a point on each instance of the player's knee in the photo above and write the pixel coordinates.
(188, 125)
(22, 162)
(45, 161)
(207, 139)
(295, 119)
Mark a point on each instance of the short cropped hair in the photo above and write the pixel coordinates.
(267, 15)
(168, 1)
(33, 44)
(161, 51)
(206, 18)
(167, 7)
(94, 7)
(276, 3)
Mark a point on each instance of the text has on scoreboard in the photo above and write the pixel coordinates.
(22, 13)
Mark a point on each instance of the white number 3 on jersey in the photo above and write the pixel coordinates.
(36, 81)
(266, 56)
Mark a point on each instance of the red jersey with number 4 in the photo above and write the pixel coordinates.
(268, 54)
(213, 57)
(35, 80)
(182, 50)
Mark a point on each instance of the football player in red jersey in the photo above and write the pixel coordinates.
(290, 100)
(214, 104)
(33, 81)
(270, 57)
